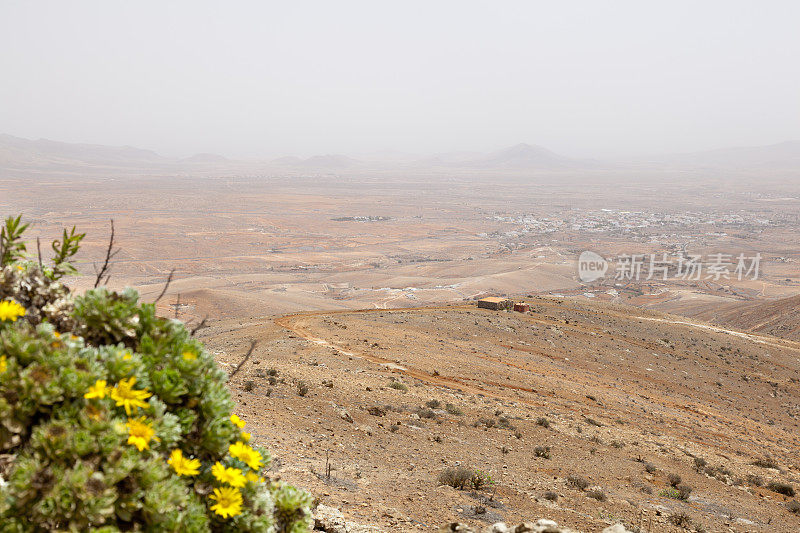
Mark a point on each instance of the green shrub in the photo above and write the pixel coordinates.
(542, 451)
(480, 479)
(577, 482)
(457, 477)
(681, 492)
(116, 419)
(461, 477)
(597, 494)
(397, 385)
(453, 409)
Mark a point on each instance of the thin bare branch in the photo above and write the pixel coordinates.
(199, 326)
(110, 253)
(166, 286)
(246, 358)
(39, 253)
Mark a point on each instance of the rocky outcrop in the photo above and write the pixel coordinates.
(332, 520)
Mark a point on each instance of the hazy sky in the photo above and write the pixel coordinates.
(259, 78)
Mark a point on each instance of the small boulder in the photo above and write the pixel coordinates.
(616, 528)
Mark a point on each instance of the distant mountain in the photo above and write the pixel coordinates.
(206, 158)
(319, 162)
(18, 155)
(523, 156)
(781, 156)
(518, 157)
(16, 151)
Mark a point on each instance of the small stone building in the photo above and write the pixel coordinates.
(495, 303)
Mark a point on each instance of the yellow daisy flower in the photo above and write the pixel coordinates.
(182, 465)
(3, 364)
(238, 422)
(229, 501)
(231, 476)
(246, 454)
(98, 390)
(252, 477)
(140, 433)
(245, 436)
(125, 395)
(189, 356)
(10, 311)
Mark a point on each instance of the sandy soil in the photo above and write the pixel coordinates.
(620, 390)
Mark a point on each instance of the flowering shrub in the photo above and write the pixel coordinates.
(112, 418)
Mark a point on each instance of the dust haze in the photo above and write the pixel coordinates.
(345, 182)
(268, 79)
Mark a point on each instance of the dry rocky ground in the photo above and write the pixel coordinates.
(585, 414)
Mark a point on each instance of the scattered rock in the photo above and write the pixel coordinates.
(616, 528)
(332, 520)
(540, 526)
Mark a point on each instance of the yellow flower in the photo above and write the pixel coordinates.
(10, 311)
(252, 477)
(229, 501)
(245, 436)
(238, 422)
(231, 476)
(140, 433)
(246, 454)
(57, 335)
(98, 390)
(125, 395)
(182, 465)
(3, 364)
(189, 356)
(126, 357)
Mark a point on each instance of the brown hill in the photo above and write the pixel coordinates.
(368, 408)
(780, 318)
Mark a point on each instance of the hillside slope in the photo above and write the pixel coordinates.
(779, 318)
(384, 400)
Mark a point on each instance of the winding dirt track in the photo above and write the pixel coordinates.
(297, 324)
